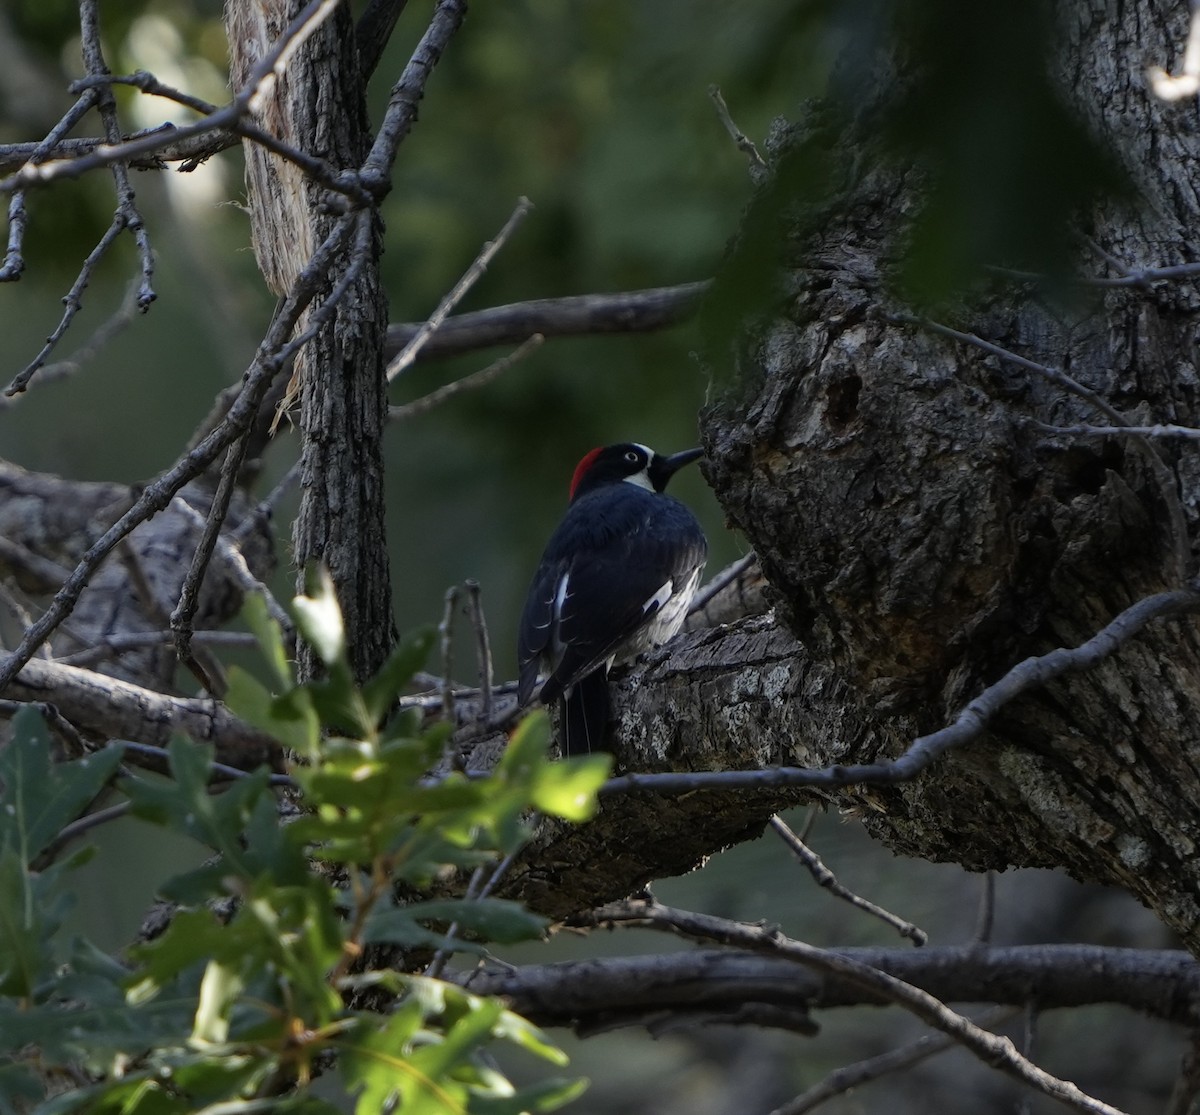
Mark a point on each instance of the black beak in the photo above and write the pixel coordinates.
(676, 461)
(663, 468)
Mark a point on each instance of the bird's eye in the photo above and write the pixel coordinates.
(633, 457)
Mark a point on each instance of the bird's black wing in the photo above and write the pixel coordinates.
(616, 586)
(537, 632)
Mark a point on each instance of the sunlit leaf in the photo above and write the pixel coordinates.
(319, 617)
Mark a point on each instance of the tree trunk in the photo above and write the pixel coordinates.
(923, 535)
(318, 106)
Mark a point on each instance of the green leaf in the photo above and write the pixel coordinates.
(289, 718)
(521, 1032)
(527, 745)
(19, 1087)
(371, 1063)
(31, 913)
(398, 927)
(568, 789)
(545, 1095)
(409, 655)
(216, 819)
(192, 938)
(339, 702)
(319, 616)
(494, 919)
(38, 797)
(267, 631)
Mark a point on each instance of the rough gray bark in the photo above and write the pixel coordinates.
(922, 537)
(318, 106)
(48, 522)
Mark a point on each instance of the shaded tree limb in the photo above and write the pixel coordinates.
(637, 311)
(1162, 983)
(998, 1052)
(109, 708)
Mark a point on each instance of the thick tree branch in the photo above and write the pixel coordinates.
(1161, 983)
(998, 1052)
(108, 708)
(636, 311)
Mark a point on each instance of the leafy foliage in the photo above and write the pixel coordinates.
(245, 996)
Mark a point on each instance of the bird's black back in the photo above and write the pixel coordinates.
(616, 546)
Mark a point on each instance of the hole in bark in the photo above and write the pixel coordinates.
(1085, 469)
(842, 405)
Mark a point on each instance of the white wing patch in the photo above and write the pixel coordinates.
(561, 594)
(658, 599)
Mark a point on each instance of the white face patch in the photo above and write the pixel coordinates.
(642, 478)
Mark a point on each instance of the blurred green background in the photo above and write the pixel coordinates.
(597, 110)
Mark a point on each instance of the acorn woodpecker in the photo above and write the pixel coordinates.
(616, 578)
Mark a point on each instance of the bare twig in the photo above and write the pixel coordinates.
(477, 890)
(35, 572)
(1028, 1044)
(372, 32)
(101, 335)
(129, 150)
(457, 292)
(730, 573)
(475, 380)
(157, 495)
(317, 169)
(262, 513)
(826, 878)
(446, 633)
(967, 726)
(113, 645)
(14, 263)
(239, 571)
(993, 1050)
(55, 721)
(148, 84)
(1054, 375)
(1160, 430)
(986, 918)
(401, 111)
(849, 1077)
(72, 304)
(10, 599)
(128, 213)
(634, 311)
(223, 770)
(189, 594)
(483, 648)
(744, 143)
(191, 150)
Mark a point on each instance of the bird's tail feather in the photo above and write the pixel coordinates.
(584, 715)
